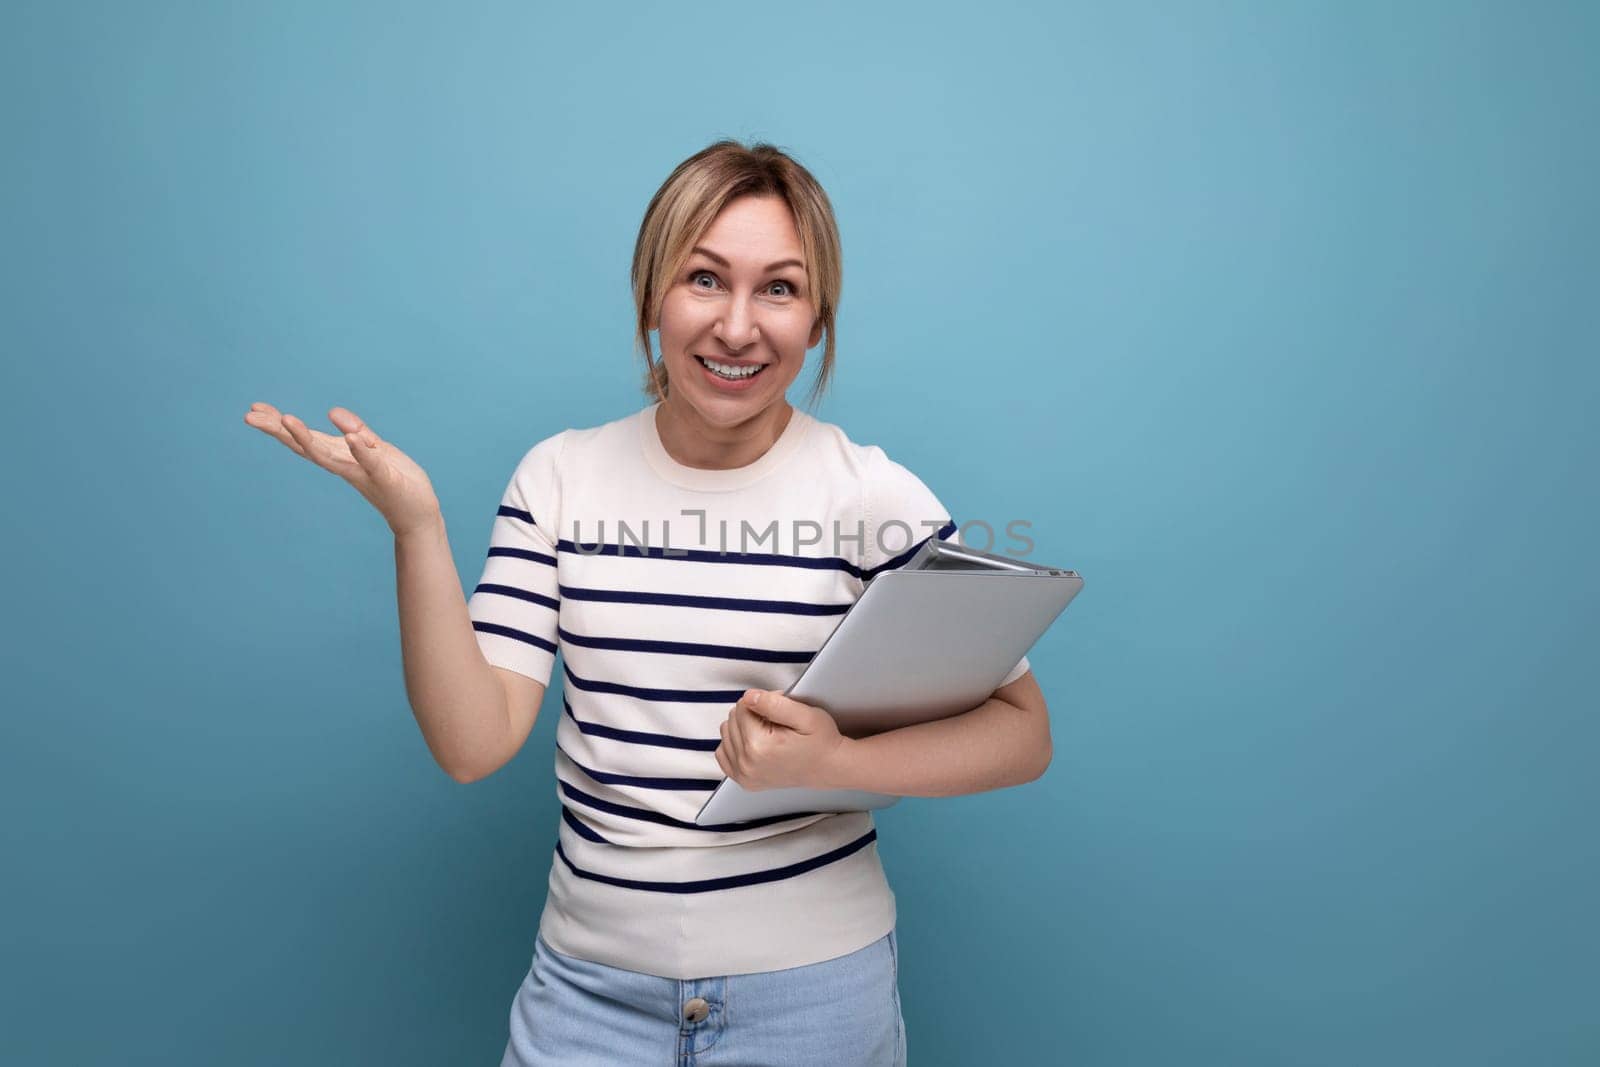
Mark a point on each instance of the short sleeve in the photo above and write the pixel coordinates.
(901, 513)
(515, 605)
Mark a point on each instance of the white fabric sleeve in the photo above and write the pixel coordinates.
(516, 604)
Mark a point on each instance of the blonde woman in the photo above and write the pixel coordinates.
(687, 560)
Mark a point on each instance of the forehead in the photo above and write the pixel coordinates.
(756, 226)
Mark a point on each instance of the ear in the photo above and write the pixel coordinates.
(816, 333)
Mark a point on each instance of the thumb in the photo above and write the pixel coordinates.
(364, 448)
(363, 441)
(358, 437)
(781, 709)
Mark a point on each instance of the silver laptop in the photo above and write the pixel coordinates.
(928, 640)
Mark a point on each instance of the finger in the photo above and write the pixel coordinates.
(736, 730)
(751, 724)
(351, 423)
(366, 454)
(265, 418)
(325, 450)
(362, 442)
(732, 760)
(781, 710)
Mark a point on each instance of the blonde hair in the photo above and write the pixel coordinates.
(687, 203)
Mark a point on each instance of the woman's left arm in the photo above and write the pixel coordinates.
(771, 741)
(1002, 742)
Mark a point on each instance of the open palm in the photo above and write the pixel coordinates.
(389, 479)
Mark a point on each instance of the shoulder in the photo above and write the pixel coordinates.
(896, 507)
(889, 488)
(578, 444)
(868, 465)
(545, 452)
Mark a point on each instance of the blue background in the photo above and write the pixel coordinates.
(1276, 321)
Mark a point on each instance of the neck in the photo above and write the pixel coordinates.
(695, 442)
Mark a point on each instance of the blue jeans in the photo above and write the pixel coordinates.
(842, 1012)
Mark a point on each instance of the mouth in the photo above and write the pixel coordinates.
(731, 374)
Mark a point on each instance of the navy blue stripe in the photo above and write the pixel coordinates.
(720, 603)
(710, 555)
(526, 638)
(903, 558)
(612, 778)
(646, 815)
(639, 737)
(689, 696)
(732, 881)
(522, 553)
(520, 594)
(687, 648)
(580, 828)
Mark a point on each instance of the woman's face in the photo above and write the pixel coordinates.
(743, 298)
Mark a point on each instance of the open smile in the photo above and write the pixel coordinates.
(731, 375)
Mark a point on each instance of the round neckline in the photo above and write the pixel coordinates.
(709, 480)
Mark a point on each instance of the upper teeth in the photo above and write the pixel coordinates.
(728, 371)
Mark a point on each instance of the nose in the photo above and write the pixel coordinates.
(737, 328)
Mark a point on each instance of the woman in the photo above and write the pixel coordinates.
(687, 560)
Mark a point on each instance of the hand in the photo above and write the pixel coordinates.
(386, 476)
(770, 741)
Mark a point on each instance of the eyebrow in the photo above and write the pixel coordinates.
(770, 266)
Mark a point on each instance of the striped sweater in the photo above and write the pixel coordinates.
(670, 590)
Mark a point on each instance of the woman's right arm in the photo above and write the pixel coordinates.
(474, 717)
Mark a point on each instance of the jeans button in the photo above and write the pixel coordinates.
(696, 1009)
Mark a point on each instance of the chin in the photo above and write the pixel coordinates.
(731, 409)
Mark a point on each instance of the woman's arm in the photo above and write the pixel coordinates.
(1002, 742)
(459, 702)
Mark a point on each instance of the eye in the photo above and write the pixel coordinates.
(789, 288)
